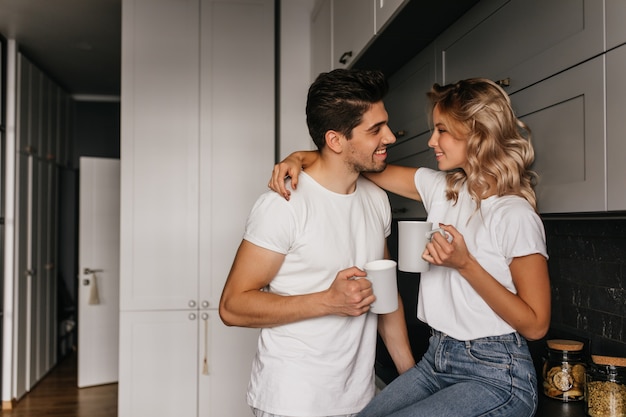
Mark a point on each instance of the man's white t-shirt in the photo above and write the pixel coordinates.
(322, 366)
(504, 228)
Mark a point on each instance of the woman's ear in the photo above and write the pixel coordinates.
(333, 141)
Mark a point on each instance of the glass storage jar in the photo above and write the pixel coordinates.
(564, 370)
(605, 390)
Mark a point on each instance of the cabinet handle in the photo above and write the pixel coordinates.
(205, 360)
(205, 304)
(400, 133)
(505, 82)
(191, 303)
(345, 56)
(192, 316)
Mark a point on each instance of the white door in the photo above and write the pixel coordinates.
(98, 295)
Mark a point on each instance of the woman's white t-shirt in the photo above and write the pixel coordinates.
(504, 228)
(322, 366)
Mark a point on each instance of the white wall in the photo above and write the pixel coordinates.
(295, 75)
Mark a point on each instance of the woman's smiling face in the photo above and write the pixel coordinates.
(450, 151)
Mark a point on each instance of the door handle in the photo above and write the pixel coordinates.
(88, 271)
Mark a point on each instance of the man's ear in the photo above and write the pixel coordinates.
(333, 141)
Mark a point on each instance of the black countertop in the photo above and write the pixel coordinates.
(549, 407)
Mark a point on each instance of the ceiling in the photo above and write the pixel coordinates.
(76, 42)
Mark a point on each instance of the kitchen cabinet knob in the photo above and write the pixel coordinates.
(505, 82)
(192, 316)
(400, 133)
(192, 303)
(205, 304)
(345, 56)
(205, 316)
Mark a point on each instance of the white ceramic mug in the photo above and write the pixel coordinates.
(412, 239)
(382, 275)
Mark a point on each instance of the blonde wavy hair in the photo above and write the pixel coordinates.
(498, 143)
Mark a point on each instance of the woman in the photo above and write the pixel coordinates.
(488, 288)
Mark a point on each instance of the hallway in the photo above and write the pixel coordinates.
(57, 396)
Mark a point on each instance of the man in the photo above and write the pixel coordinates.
(297, 272)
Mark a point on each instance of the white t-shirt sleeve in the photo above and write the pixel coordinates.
(430, 184)
(521, 233)
(271, 223)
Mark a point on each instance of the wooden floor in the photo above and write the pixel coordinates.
(57, 396)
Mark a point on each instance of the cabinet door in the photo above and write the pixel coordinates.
(413, 153)
(385, 10)
(353, 28)
(523, 41)
(321, 40)
(158, 364)
(615, 128)
(566, 116)
(224, 381)
(406, 102)
(236, 129)
(159, 147)
(615, 28)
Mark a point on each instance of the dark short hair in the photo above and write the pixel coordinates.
(338, 99)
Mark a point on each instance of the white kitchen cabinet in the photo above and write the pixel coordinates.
(616, 128)
(615, 27)
(566, 116)
(197, 102)
(344, 28)
(159, 148)
(158, 371)
(521, 41)
(236, 129)
(321, 39)
(353, 26)
(182, 363)
(224, 382)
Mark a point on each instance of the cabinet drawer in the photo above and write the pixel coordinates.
(523, 41)
(565, 114)
(413, 153)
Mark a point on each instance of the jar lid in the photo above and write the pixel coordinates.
(608, 360)
(567, 345)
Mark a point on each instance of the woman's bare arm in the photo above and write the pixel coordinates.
(396, 179)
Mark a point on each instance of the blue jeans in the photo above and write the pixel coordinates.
(492, 376)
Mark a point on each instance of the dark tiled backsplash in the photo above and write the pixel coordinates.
(588, 279)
